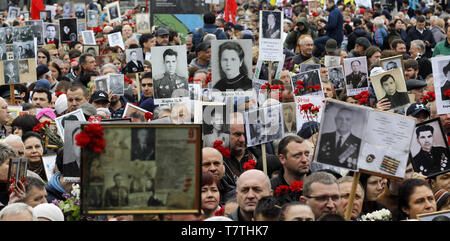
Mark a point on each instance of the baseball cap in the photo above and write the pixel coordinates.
(42, 83)
(203, 46)
(331, 46)
(99, 95)
(161, 31)
(416, 108)
(41, 70)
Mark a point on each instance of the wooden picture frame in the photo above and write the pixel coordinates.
(432, 216)
(17, 169)
(114, 6)
(48, 142)
(173, 180)
(396, 59)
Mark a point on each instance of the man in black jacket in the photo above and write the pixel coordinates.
(359, 31)
(295, 156)
(420, 32)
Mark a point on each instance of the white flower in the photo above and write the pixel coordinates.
(76, 191)
(380, 215)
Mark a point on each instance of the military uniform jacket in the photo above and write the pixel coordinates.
(345, 156)
(444, 88)
(165, 86)
(116, 197)
(357, 80)
(398, 99)
(134, 68)
(434, 161)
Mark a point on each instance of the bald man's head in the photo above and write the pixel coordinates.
(212, 161)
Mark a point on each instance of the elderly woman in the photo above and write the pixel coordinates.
(380, 31)
(34, 149)
(233, 70)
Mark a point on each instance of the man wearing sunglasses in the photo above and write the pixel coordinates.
(321, 193)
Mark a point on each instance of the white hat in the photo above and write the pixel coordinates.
(61, 104)
(376, 71)
(49, 211)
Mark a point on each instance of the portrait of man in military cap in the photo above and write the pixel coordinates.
(356, 70)
(173, 81)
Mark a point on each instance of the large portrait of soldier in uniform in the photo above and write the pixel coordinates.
(429, 148)
(170, 76)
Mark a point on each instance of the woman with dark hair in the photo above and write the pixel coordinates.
(210, 189)
(373, 54)
(373, 186)
(233, 70)
(34, 149)
(23, 124)
(415, 197)
(217, 130)
(56, 70)
(394, 97)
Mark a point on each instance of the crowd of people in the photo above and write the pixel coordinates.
(416, 30)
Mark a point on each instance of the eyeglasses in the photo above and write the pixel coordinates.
(325, 198)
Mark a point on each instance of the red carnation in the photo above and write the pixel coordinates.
(217, 143)
(148, 116)
(190, 79)
(251, 164)
(300, 82)
(282, 189)
(296, 186)
(220, 212)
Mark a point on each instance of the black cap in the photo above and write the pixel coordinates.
(416, 108)
(203, 46)
(414, 84)
(363, 41)
(99, 95)
(41, 70)
(161, 32)
(238, 27)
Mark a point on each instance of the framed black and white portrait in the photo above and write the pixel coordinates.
(11, 71)
(81, 26)
(336, 76)
(264, 125)
(113, 10)
(51, 33)
(76, 115)
(289, 117)
(91, 49)
(67, 9)
(214, 125)
(68, 30)
(340, 134)
(136, 114)
(441, 74)
(307, 83)
(356, 75)
(231, 63)
(271, 24)
(394, 62)
(88, 37)
(137, 174)
(79, 10)
(24, 68)
(72, 152)
(101, 83)
(115, 39)
(143, 23)
(143, 144)
(38, 30)
(24, 50)
(116, 84)
(13, 13)
(45, 16)
(308, 67)
(443, 215)
(391, 85)
(331, 61)
(92, 18)
(169, 71)
(429, 148)
(135, 61)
